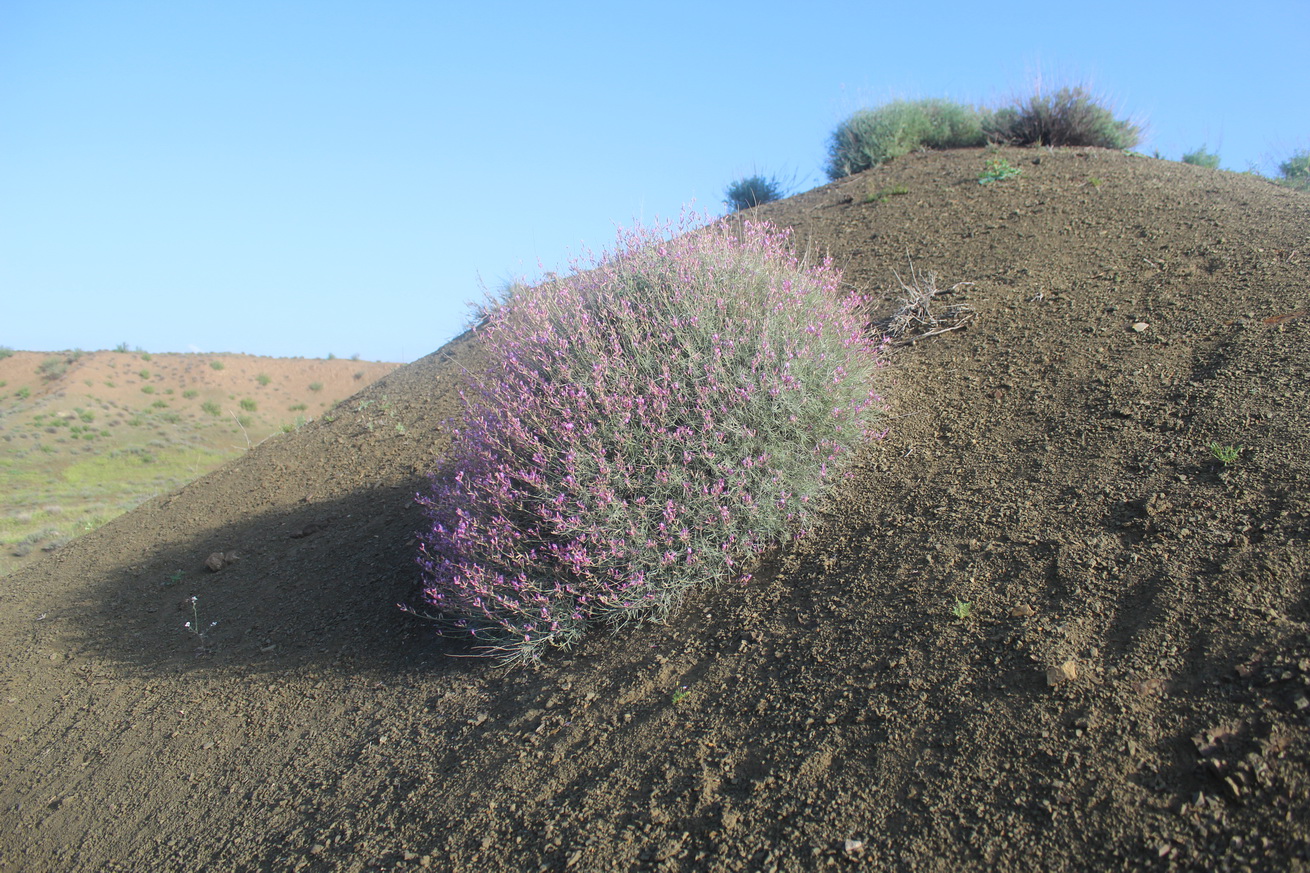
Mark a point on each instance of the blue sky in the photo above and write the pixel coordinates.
(305, 178)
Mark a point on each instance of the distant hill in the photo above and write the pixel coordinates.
(86, 436)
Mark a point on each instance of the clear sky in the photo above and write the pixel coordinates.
(337, 176)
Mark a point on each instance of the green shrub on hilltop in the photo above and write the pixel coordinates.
(751, 192)
(1072, 117)
(1294, 172)
(873, 136)
(1202, 158)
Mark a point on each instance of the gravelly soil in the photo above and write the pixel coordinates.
(1129, 691)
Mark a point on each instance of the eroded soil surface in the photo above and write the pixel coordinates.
(1128, 691)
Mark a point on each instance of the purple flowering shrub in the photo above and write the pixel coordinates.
(644, 426)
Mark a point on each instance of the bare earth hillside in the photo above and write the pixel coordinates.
(1128, 692)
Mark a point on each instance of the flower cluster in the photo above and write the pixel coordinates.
(644, 426)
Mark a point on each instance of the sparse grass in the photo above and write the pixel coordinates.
(1070, 117)
(147, 389)
(297, 407)
(190, 394)
(212, 408)
(1225, 455)
(962, 610)
(263, 378)
(315, 386)
(144, 374)
(6, 352)
(1202, 158)
(217, 365)
(874, 136)
(248, 405)
(883, 194)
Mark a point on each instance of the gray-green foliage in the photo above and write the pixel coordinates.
(752, 191)
(1072, 117)
(1295, 171)
(1202, 158)
(52, 368)
(873, 136)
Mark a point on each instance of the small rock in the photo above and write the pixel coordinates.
(1140, 327)
(853, 847)
(1023, 610)
(218, 560)
(1066, 672)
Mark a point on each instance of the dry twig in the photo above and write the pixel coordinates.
(915, 319)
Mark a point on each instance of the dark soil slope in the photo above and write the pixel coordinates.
(1128, 692)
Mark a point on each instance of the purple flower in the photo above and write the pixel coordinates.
(705, 383)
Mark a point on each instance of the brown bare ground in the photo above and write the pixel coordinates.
(1129, 691)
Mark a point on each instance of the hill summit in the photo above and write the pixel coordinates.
(1057, 619)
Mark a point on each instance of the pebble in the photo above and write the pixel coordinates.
(1066, 672)
(1022, 610)
(218, 560)
(1140, 327)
